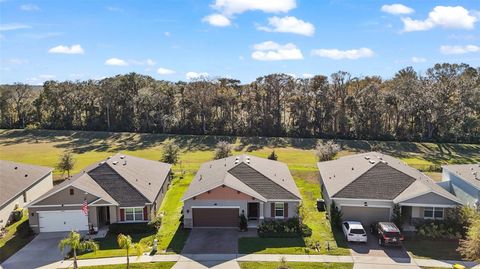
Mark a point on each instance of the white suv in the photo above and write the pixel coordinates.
(354, 231)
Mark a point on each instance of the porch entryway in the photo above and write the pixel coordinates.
(253, 211)
(103, 216)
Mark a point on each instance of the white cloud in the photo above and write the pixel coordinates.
(40, 79)
(442, 16)
(288, 24)
(150, 62)
(459, 49)
(167, 34)
(116, 62)
(74, 49)
(165, 71)
(13, 26)
(195, 75)
(271, 51)
(397, 9)
(418, 59)
(216, 19)
(29, 7)
(307, 75)
(337, 54)
(231, 7)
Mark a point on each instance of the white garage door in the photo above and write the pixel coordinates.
(60, 221)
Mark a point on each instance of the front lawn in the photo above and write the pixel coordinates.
(295, 265)
(433, 249)
(142, 265)
(17, 237)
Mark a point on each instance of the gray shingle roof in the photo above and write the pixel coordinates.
(469, 172)
(138, 179)
(16, 177)
(341, 173)
(261, 178)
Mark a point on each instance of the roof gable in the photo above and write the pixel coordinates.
(260, 183)
(116, 186)
(379, 182)
(430, 198)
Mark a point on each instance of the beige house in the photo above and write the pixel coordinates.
(121, 188)
(20, 184)
(367, 186)
(224, 189)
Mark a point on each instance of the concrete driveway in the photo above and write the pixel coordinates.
(212, 241)
(41, 251)
(372, 249)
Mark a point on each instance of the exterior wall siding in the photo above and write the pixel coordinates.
(158, 201)
(31, 193)
(64, 197)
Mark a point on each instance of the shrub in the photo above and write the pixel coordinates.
(438, 229)
(292, 227)
(283, 263)
(223, 150)
(156, 221)
(273, 156)
(335, 216)
(470, 246)
(397, 216)
(327, 151)
(243, 223)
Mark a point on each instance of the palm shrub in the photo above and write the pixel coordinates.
(74, 242)
(125, 242)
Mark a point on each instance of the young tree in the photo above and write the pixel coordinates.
(66, 163)
(273, 156)
(470, 246)
(170, 152)
(397, 216)
(223, 150)
(335, 216)
(74, 242)
(327, 151)
(125, 242)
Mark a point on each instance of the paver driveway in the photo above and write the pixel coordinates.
(42, 250)
(212, 241)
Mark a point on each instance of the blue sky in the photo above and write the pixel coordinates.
(244, 39)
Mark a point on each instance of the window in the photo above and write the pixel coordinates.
(433, 213)
(72, 192)
(133, 214)
(279, 210)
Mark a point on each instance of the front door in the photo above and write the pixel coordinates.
(253, 210)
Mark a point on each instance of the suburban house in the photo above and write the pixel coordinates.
(20, 184)
(366, 187)
(121, 188)
(224, 189)
(463, 181)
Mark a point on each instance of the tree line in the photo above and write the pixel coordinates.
(441, 104)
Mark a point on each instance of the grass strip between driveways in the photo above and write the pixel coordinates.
(142, 265)
(14, 240)
(295, 265)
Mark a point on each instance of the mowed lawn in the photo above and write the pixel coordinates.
(141, 265)
(295, 265)
(45, 147)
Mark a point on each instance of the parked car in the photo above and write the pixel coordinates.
(354, 231)
(387, 233)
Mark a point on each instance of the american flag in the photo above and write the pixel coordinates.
(85, 207)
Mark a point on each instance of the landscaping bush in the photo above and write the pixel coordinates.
(156, 221)
(280, 228)
(335, 216)
(438, 230)
(130, 228)
(243, 223)
(17, 215)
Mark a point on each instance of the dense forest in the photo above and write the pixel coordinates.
(442, 104)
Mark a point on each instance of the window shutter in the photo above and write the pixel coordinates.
(285, 210)
(272, 211)
(145, 213)
(122, 214)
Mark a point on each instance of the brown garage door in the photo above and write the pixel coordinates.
(215, 217)
(366, 215)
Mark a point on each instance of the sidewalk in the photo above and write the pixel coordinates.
(202, 258)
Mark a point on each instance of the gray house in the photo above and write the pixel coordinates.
(224, 189)
(463, 180)
(20, 184)
(121, 188)
(366, 187)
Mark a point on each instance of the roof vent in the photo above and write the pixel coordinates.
(236, 158)
(236, 162)
(122, 157)
(248, 158)
(371, 161)
(248, 161)
(352, 168)
(367, 158)
(200, 178)
(149, 183)
(115, 162)
(15, 168)
(125, 162)
(26, 175)
(383, 161)
(379, 157)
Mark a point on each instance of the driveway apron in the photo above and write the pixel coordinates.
(212, 241)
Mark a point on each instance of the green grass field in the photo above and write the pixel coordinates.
(13, 241)
(44, 147)
(141, 265)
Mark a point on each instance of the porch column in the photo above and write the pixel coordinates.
(262, 209)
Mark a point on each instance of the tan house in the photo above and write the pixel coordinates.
(367, 186)
(20, 184)
(224, 189)
(121, 188)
